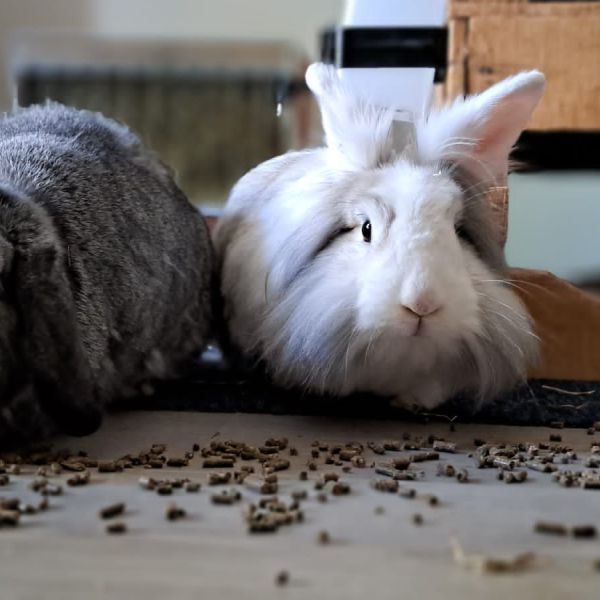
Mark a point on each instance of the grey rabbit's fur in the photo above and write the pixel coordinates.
(106, 271)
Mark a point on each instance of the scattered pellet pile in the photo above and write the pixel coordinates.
(255, 480)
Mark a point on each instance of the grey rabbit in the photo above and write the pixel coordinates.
(106, 271)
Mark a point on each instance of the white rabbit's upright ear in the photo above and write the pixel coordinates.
(357, 133)
(479, 132)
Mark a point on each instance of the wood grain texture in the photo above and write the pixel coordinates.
(565, 49)
(511, 8)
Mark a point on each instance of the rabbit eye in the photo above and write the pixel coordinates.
(366, 231)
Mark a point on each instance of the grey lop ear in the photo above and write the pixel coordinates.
(49, 343)
(48, 348)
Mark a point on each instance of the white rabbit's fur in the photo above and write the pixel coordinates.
(324, 309)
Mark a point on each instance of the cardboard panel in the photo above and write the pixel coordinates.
(567, 320)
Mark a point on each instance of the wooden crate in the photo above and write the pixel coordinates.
(491, 39)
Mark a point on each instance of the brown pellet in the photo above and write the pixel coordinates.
(440, 446)
(110, 467)
(392, 445)
(550, 528)
(408, 493)
(323, 538)
(9, 503)
(584, 531)
(278, 464)
(177, 461)
(271, 478)
(72, 465)
(417, 519)
(116, 528)
(4, 480)
(282, 578)
(376, 448)
(358, 461)
(164, 489)
(312, 465)
(79, 479)
(330, 476)
(111, 511)
(158, 449)
(192, 487)
(269, 488)
(424, 456)
(303, 476)
(9, 518)
(293, 451)
(217, 462)
(347, 455)
(226, 497)
(433, 500)
(447, 470)
(174, 512)
(219, 478)
(555, 437)
(401, 463)
(385, 485)
(340, 489)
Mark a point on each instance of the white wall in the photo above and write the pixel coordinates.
(554, 223)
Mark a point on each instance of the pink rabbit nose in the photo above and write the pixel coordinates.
(422, 307)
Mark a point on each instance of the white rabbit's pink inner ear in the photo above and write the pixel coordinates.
(480, 131)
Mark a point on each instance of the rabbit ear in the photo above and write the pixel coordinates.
(357, 133)
(479, 132)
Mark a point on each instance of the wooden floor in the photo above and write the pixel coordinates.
(65, 554)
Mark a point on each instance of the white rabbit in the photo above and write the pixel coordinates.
(351, 268)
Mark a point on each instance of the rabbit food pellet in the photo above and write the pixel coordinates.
(217, 462)
(441, 446)
(174, 512)
(323, 538)
(116, 528)
(113, 510)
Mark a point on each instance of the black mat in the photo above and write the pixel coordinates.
(540, 402)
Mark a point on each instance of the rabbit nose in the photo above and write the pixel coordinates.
(422, 308)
